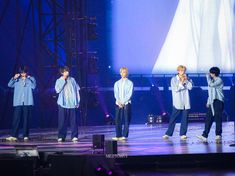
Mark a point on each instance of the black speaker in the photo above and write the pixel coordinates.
(98, 141)
(111, 147)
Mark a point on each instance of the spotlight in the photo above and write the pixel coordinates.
(109, 66)
(110, 172)
(159, 119)
(109, 119)
(150, 119)
(100, 171)
(162, 118)
(165, 117)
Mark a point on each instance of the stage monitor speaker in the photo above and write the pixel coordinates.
(98, 141)
(111, 147)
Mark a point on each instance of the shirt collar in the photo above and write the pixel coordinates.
(215, 78)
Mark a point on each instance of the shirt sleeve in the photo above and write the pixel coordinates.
(78, 87)
(189, 84)
(78, 93)
(12, 82)
(59, 85)
(78, 96)
(32, 82)
(208, 101)
(116, 92)
(214, 83)
(129, 93)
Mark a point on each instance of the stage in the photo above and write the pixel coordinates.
(145, 147)
(143, 140)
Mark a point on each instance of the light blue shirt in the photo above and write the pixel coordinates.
(23, 90)
(215, 91)
(123, 90)
(180, 93)
(68, 91)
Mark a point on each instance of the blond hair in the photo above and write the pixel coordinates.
(181, 67)
(123, 68)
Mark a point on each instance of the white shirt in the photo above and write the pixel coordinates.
(180, 93)
(123, 90)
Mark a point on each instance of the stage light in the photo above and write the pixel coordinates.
(109, 119)
(109, 67)
(159, 119)
(100, 171)
(150, 119)
(165, 116)
(110, 172)
(113, 173)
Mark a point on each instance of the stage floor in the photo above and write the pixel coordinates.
(143, 140)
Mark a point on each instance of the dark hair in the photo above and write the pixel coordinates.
(215, 70)
(23, 69)
(64, 69)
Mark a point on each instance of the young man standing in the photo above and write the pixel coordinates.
(215, 104)
(23, 85)
(68, 103)
(180, 85)
(123, 90)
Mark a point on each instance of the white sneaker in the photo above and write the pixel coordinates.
(202, 138)
(165, 137)
(60, 140)
(75, 139)
(122, 138)
(26, 139)
(115, 138)
(12, 139)
(218, 137)
(183, 137)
